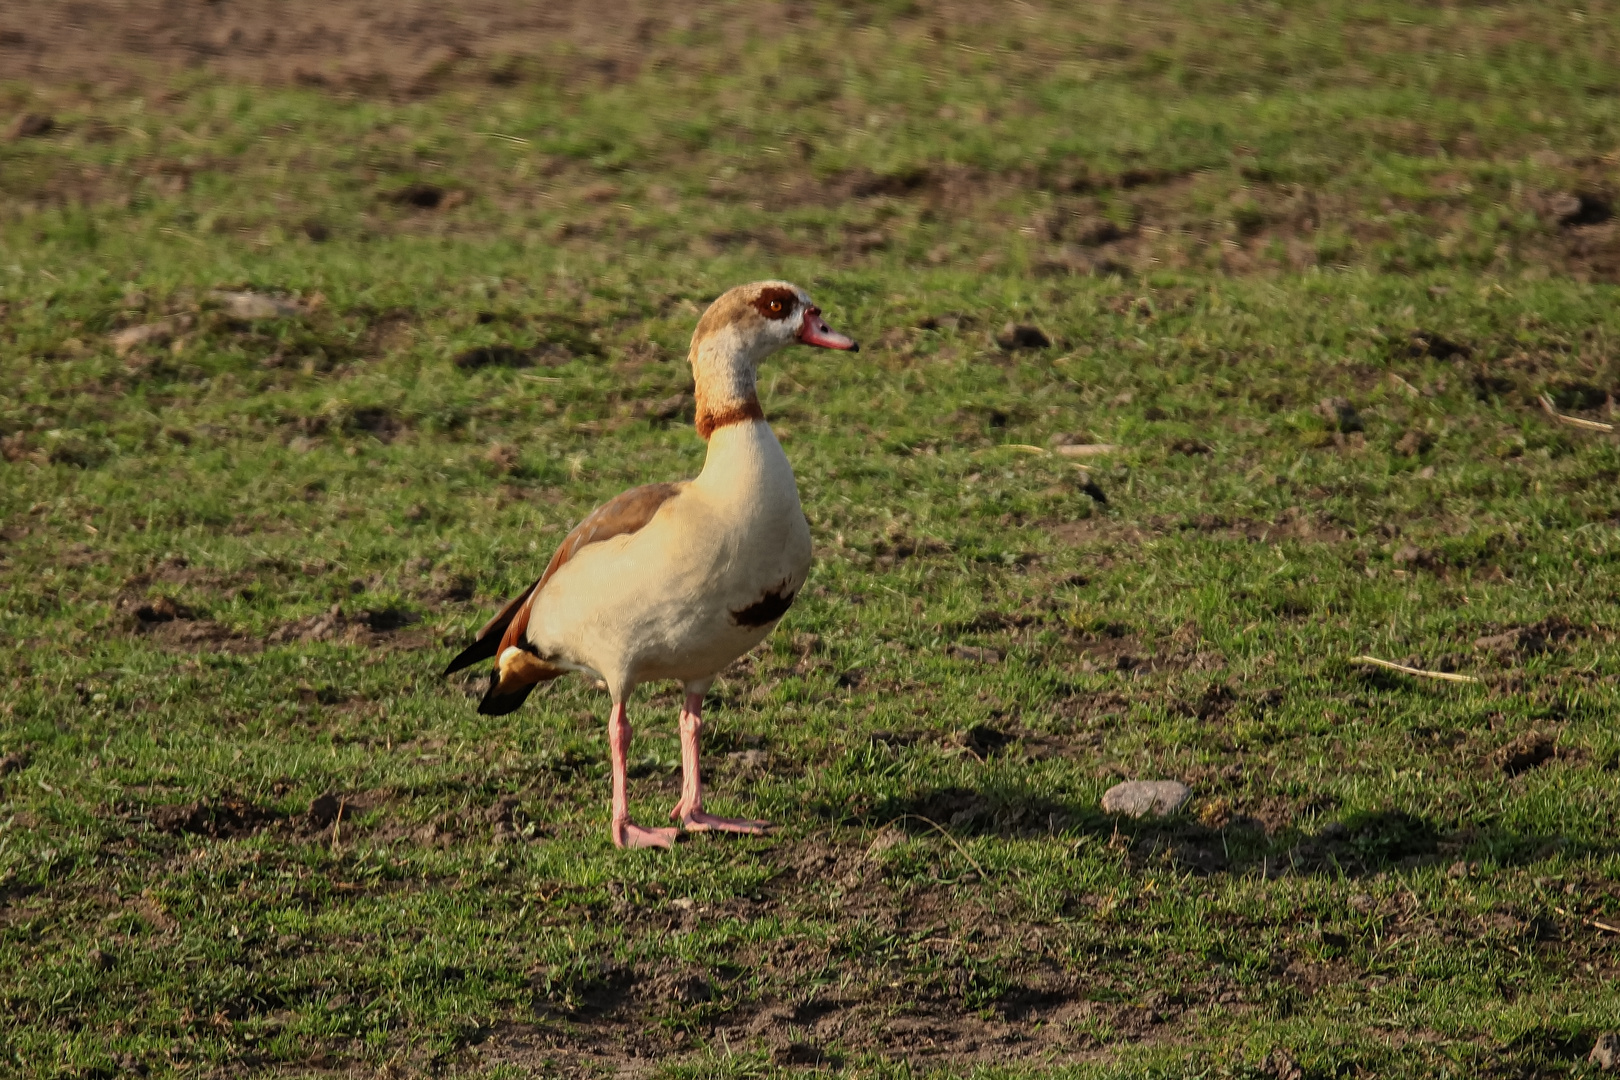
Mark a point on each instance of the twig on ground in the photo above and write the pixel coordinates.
(1573, 421)
(1419, 672)
(1087, 449)
(1598, 923)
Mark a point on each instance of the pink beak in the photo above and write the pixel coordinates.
(815, 331)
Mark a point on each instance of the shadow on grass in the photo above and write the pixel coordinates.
(1357, 845)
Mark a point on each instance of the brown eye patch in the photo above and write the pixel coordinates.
(776, 302)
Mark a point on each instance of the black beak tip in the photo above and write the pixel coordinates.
(856, 347)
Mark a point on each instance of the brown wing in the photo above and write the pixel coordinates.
(622, 514)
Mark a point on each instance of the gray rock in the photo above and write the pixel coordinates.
(1606, 1052)
(1146, 798)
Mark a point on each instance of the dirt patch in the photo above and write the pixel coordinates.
(395, 50)
(954, 1007)
(198, 635)
(222, 818)
(1293, 524)
(382, 626)
(1529, 640)
(1526, 752)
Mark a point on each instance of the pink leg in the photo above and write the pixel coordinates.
(689, 811)
(626, 834)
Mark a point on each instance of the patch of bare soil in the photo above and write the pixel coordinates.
(174, 626)
(197, 635)
(1294, 523)
(1522, 641)
(948, 1010)
(382, 627)
(225, 817)
(409, 48)
(1105, 651)
(1526, 752)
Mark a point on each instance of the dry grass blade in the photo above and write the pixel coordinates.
(1572, 421)
(1419, 672)
(937, 827)
(1607, 928)
(1087, 449)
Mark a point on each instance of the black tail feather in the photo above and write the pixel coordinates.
(488, 641)
(494, 704)
(482, 649)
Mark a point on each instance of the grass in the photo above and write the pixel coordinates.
(236, 555)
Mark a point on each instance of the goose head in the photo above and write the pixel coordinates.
(750, 322)
(739, 331)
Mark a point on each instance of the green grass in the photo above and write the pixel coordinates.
(1359, 886)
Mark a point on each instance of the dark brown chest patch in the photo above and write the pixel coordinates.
(767, 609)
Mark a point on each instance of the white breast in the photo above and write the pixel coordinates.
(675, 599)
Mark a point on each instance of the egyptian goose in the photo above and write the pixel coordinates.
(675, 581)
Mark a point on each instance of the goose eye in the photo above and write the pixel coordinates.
(775, 303)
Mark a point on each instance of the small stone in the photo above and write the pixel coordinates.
(976, 653)
(1146, 798)
(1022, 336)
(1606, 1052)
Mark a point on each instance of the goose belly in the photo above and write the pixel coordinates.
(681, 599)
